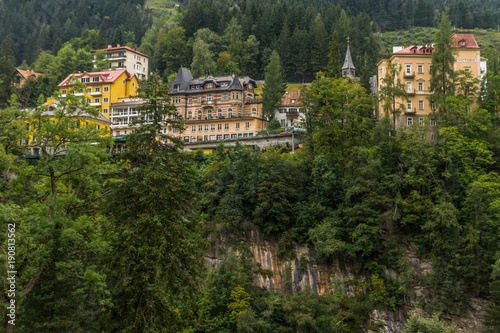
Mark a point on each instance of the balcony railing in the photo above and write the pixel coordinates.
(410, 92)
(253, 100)
(409, 75)
(208, 103)
(410, 110)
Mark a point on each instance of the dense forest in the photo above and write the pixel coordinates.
(247, 30)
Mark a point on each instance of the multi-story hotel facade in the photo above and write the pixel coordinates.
(124, 57)
(102, 88)
(414, 64)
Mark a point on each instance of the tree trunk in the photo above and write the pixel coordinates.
(8, 328)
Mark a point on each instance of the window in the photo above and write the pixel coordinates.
(282, 122)
(408, 69)
(219, 113)
(193, 128)
(219, 127)
(123, 81)
(237, 96)
(63, 92)
(106, 89)
(85, 79)
(105, 100)
(133, 84)
(293, 101)
(105, 111)
(89, 90)
(433, 122)
(199, 99)
(210, 98)
(206, 127)
(237, 125)
(410, 121)
(420, 69)
(89, 100)
(421, 105)
(250, 86)
(433, 106)
(254, 111)
(247, 124)
(233, 136)
(226, 126)
(408, 106)
(97, 89)
(408, 87)
(467, 70)
(219, 137)
(200, 128)
(98, 126)
(229, 113)
(95, 79)
(462, 43)
(209, 114)
(190, 100)
(97, 100)
(212, 127)
(420, 86)
(433, 137)
(421, 120)
(224, 96)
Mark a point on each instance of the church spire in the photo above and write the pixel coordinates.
(348, 68)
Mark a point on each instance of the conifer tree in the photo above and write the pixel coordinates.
(442, 73)
(7, 71)
(273, 89)
(334, 60)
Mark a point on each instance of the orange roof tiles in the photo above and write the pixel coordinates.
(27, 74)
(289, 96)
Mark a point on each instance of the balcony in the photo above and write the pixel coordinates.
(96, 93)
(119, 56)
(95, 104)
(78, 94)
(410, 110)
(208, 103)
(409, 75)
(253, 100)
(293, 114)
(411, 92)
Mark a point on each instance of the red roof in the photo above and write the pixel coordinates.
(27, 74)
(467, 38)
(105, 77)
(414, 49)
(122, 48)
(289, 96)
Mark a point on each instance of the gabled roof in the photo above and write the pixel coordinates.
(348, 60)
(288, 96)
(468, 38)
(105, 77)
(116, 48)
(27, 74)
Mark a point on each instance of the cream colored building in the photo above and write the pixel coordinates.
(415, 62)
(124, 57)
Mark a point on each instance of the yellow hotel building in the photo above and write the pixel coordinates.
(102, 88)
(415, 62)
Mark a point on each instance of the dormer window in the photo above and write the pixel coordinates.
(210, 85)
(95, 79)
(177, 88)
(250, 86)
(85, 79)
(293, 101)
(224, 84)
(462, 43)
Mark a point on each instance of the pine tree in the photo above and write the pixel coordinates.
(7, 71)
(273, 89)
(442, 73)
(334, 62)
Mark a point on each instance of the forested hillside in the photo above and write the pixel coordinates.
(247, 31)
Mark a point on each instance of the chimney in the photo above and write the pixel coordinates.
(110, 46)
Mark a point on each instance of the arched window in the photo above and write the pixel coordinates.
(254, 111)
(190, 115)
(229, 113)
(219, 113)
(199, 114)
(210, 114)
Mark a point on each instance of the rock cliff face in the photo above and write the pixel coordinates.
(304, 271)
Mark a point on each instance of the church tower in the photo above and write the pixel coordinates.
(348, 69)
